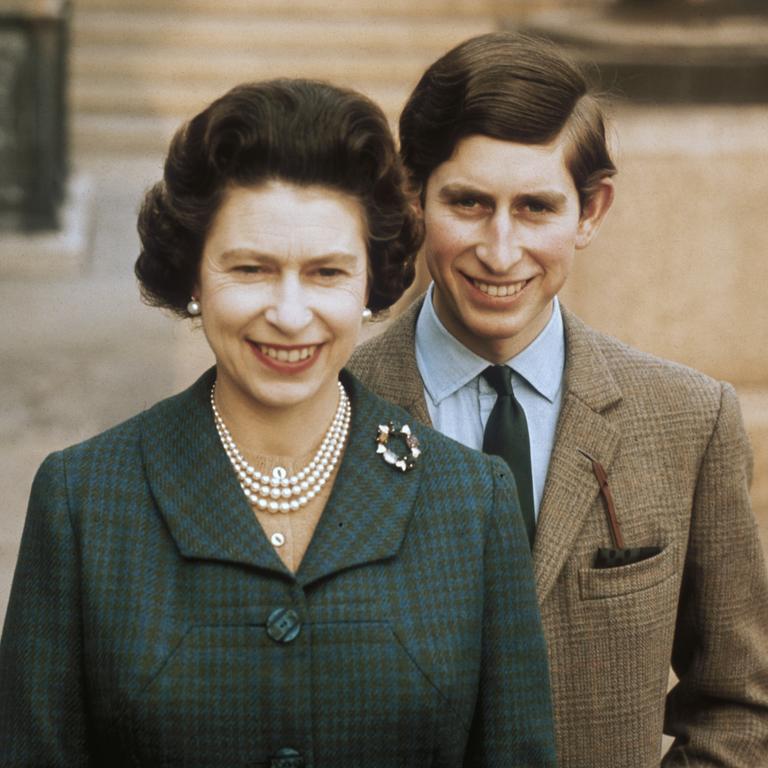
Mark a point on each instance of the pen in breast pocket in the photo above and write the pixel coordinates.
(610, 507)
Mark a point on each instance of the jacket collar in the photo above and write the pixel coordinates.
(396, 377)
(199, 498)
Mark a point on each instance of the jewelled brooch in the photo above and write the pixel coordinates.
(402, 462)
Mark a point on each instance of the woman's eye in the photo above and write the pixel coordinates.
(468, 202)
(328, 272)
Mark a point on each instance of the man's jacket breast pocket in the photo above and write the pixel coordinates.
(601, 583)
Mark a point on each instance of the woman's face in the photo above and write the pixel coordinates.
(282, 286)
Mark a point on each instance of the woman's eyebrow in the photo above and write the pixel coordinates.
(344, 258)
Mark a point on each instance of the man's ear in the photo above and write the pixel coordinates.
(595, 209)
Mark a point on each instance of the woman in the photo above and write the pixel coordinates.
(273, 568)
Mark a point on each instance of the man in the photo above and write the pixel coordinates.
(635, 471)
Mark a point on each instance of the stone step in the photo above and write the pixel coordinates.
(138, 74)
(136, 120)
(346, 37)
(118, 135)
(103, 64)
(305, 8)
(181, 100)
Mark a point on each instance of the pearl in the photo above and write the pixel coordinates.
(307, 482)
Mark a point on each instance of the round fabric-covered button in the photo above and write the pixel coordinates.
(283, 625)
(286, 758)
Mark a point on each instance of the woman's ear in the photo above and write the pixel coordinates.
(594, 211)
(416, 193)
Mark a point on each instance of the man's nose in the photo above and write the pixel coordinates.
(501, 247)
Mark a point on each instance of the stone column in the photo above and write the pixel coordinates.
(33, 114)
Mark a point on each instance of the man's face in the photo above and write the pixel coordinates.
(503, 223)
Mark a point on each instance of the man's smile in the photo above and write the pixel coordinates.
(500, 290)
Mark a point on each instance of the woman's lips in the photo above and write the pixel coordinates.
(286, 359)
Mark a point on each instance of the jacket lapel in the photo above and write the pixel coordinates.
(571, 488)
(367, 514)
(396, 377)
(199, 498)
(194, 486)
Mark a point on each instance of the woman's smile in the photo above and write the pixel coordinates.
(284, 358)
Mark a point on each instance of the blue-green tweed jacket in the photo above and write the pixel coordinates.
(137, 631)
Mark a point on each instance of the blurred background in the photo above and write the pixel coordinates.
(91, 91)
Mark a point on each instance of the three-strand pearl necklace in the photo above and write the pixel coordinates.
(277, 491)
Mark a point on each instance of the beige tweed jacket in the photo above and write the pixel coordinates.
(679, 467)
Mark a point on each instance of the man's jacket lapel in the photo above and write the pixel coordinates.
(396, 374)
(571, 487)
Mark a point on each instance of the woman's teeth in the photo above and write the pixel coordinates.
(287, 355)
(500, 290)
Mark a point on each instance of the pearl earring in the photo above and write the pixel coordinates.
(367, 314)
(193, 307)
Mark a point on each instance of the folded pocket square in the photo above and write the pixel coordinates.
(612, 557)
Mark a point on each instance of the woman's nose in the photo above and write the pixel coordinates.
(290, 311)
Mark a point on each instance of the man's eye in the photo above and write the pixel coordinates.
(249, 269)
(468, 202)
(536, 206)
(328, 271)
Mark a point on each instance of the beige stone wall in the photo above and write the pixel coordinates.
(681, 265)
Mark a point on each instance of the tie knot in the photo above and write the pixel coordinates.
(500, 378)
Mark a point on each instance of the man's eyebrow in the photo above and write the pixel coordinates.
(549, 197)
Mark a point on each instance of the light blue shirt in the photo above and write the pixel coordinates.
(459, 399)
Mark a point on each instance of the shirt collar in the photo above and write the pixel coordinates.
(542, 362)
(446, 365)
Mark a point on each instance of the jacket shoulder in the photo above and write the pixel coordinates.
(387, 350)
(644, 377)
(114, 445)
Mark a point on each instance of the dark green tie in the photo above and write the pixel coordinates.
(506, 435)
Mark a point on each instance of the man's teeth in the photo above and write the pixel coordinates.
(500, 290)
(287, 355)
